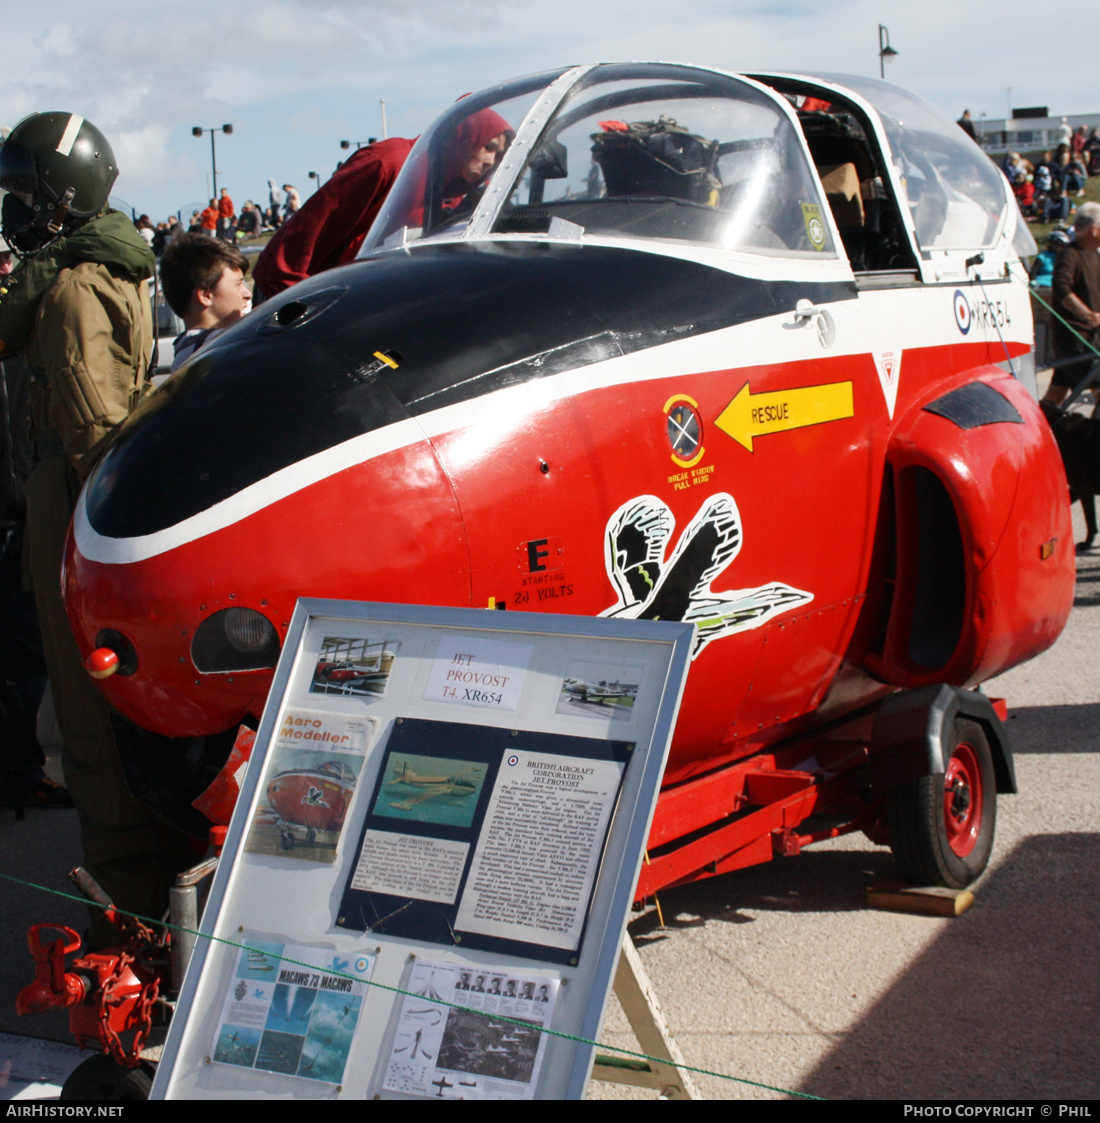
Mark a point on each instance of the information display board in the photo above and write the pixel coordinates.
(432, 859)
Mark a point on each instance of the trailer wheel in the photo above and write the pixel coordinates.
(99, 1078)
(942, 826)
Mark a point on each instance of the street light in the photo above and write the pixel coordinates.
(197, 131)
(320, 179)
(886, 53)
(371, 140)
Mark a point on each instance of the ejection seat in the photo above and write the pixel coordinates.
(657, 158)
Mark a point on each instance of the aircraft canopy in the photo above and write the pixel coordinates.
(635, 150)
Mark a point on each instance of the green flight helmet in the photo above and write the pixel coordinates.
(64, 163)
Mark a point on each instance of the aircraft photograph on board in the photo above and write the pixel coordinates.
(353, 666)
(431, 789)
(614, 697)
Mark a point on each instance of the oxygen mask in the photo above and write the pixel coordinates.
(17, 222)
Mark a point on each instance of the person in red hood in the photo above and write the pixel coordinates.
(330, 228)
(479, 144)
(463, 165)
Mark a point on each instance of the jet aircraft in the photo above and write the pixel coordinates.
(344, 672)
(749, 351)
(429, 787)
(598, 692)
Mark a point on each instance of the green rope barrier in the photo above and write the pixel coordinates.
(408, 994)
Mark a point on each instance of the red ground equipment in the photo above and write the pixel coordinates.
(116, 995)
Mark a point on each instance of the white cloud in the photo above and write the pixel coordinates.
(295, 75)
(59, 41)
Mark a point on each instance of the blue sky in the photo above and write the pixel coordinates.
(294, 77)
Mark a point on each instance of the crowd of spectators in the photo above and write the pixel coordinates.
(1044, 187)
(219, 219)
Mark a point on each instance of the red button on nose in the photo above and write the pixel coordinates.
(102, 663)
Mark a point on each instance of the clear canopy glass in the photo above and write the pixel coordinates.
(634, 150)
(654, 151)
(452, 163)
(956, 196)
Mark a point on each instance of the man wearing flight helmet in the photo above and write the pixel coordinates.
(78, 308)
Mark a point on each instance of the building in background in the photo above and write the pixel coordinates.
(1030, 130)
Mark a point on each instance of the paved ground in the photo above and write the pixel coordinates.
(782, 975)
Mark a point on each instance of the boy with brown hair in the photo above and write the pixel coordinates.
(204, 283)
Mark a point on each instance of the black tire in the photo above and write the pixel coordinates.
(942, 826)
(99, 1078)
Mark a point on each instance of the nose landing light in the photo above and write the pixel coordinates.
(235, 639)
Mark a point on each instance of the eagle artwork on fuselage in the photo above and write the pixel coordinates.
(653, 588)
(314, 800)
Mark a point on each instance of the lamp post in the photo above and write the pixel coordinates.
(320, 178)
(198, 131)
(370, 140)
(886, 53)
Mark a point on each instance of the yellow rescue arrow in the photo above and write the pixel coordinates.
(752, 415)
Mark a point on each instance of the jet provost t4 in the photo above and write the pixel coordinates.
(753, 352)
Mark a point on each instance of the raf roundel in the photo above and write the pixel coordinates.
(513, 760)
(962, 311)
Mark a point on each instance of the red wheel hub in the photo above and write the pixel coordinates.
(963, 799)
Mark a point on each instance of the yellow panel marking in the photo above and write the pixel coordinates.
(689, 463)
(752, 415)
(386, 359)
(680, 398)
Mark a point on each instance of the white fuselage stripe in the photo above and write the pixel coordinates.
(900, 319)
(263, 493)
